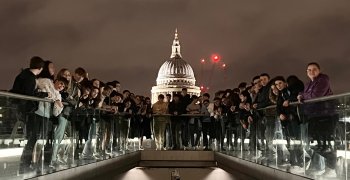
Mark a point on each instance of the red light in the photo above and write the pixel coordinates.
(202, 87)
(203, 61)
(223, 65)
(215, 58)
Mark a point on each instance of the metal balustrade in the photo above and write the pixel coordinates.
(317, 148)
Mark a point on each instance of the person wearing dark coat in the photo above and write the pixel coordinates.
(262, 100)
(185, 99)
(25, 84)
(176, 108)
(248, 118)
(320, 118)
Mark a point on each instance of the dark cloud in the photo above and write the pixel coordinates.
(128, 40)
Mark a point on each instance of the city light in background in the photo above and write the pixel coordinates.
(207, 71)
(215, 58)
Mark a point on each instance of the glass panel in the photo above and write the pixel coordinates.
(33, 142)
(320, 146)
(312, 142)
(24, 131)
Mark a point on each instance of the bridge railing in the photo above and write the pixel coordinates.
(34, 144)
(311, 142)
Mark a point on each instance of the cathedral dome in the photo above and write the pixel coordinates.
(176, 71)
(174, 75)
(175, 67)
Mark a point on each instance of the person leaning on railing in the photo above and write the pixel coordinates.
(218, 122)
(176, 108)
(121, 123)
(289, 120)
(63, 119)
(320, 118)
(25, 84)
(248, 118)
(261, 101)
(207, 129)
(318, 86)
(160, 108)
(194, 122)
(146, 121)
(40, 119)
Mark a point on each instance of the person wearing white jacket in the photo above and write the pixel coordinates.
(37, 123)
(44, 109)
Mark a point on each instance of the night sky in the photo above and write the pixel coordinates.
(128, 40)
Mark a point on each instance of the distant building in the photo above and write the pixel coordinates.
(174, 75)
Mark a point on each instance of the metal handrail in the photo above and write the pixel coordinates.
(24, 97)
(324, 98)
(319, 99)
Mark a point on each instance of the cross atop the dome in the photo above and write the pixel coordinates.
(176, 46)
(176, 35)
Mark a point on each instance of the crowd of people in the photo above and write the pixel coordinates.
(229, 114)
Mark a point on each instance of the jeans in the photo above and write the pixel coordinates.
(58, 136)
(123, 133)
(159, 126)
(88, 149)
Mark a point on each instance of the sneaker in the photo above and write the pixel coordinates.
(297, 170)
(61, 161)
(340, 165)
(25, 169)
(53, 164)
(88, 157)
(317, 172)
(284, 164)
(329, 173)
(307, 163)
(98, 156)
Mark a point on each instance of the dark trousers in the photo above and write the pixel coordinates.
(36, 127)
(253, 139)
(219, 132)
(291, 130)
(175, 129)
(168, 140)
(184, 131)
(146, 128)
(322, 129)
(207, 130)
(232, 129)
(261, 127)
(194, 129)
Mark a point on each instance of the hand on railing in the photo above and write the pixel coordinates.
(49, 95)
(283, 117)
(59, 103)
(300, 98)
(250, 120)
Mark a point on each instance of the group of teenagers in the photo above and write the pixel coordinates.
(90, 109)
(265, 110)
(95, 117)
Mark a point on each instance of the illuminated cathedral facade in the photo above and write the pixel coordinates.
(175, 74)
